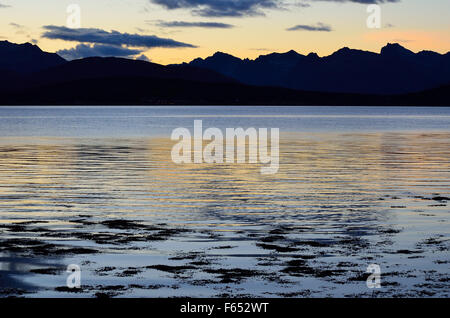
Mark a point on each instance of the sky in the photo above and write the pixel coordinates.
(175, 31)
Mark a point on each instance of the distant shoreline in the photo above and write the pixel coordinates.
(134, 91)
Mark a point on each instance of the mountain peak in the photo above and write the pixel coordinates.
(345, 49)
(292, 52)
(288, 58)
(395, 49)
(219, 54)
(393, 46)
(429, 54)
(219, 62)
(342, 52)
(313, 55)
(26, 58)
(9, 45)
(354, 55)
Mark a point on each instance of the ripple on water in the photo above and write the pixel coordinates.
(138, 221)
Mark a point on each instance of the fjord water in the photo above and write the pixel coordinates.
(96, 187)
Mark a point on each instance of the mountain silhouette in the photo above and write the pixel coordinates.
(111, 67)
(394, 70)
(100, 68)
(26, 58)
(29, 76)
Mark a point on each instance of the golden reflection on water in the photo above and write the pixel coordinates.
(322, 177)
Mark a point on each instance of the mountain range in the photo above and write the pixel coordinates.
(395, 70)
(396, 76)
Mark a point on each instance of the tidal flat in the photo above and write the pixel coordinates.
(139, 225)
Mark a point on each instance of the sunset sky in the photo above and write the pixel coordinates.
(174, 31)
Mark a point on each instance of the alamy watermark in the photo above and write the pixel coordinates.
(74, 16)
(374, 279)
(230, 147)
(374, 19)
(74, 279)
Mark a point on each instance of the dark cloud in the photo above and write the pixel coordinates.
(221, 8)
(241, 8)
(4, 6)
(98, 36)
(318, 27)
(86, 50)
(184, 24)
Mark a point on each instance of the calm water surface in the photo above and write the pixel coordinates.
(96, 187)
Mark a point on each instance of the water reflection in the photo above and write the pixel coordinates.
(331, 190)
